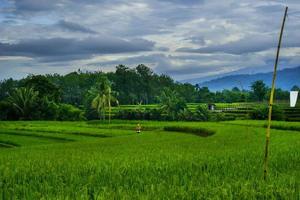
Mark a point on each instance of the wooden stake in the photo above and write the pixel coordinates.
(272, 99)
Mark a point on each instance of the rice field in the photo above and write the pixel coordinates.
(168, 160)
(230, 110)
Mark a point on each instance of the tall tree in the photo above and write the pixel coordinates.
(145, 75)
(259, 89)
(126, 84)
(44, 87)
(104, 97)
(204, 95)
(6, 87)
(187, 91)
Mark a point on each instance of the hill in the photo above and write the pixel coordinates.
(286, 79)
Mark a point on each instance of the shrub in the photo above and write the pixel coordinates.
(47, 110)
(261, 113)
(185, 115)
(125, 114)
(7, 112)
(68, 112)
(152, 114)
(219, 116)
(192, 130)
(202, 114)
(148, 114)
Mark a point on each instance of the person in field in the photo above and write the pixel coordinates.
(138, 128)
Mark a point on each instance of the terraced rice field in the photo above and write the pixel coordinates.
(231, 110)
(168, 160)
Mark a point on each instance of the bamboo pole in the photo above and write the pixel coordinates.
(109, 106)
(272, 98)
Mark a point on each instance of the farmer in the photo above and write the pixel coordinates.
(138, 128)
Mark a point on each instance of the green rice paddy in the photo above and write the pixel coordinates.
(97, 160)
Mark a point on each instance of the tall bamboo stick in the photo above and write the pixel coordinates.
(272, 98)
(109, 106)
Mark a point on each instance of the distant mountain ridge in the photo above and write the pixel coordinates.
(286, 79)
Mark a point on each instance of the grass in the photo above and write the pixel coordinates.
(7, 144)
(156, 164)
(280, 125)
(192, 130)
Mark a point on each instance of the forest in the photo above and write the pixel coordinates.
(84, 95)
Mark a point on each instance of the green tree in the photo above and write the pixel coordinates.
(295, 88)
(6, 87)
(7, 112)
(281, 94)
(259, 89)
(103, 98)
(126, 84)
(171, 103)
(23, 100)
(204, 95)
(187, 91)
(145, 75)
(45, 88)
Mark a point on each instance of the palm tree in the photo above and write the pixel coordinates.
(103, 99)
(171, 103)
(99, 103)
(23, 100)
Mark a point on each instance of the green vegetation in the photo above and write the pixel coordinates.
(261, 112)
(93, 95)
(23, 100)
(95, 160)
(259, 90)
(103, 98)
(210, 157)
(192, 130)
(171, 104)
(199, 112)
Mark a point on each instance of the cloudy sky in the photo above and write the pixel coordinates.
(185, 39)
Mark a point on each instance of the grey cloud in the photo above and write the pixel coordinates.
(32, 6)
(199, 40)
(163, 63)
(184, 2)
(249, 44)
(237, 47)
(71, 26)
(204, 25)
(35, 5)
(145, 59)
(73, 48)
(269, 8)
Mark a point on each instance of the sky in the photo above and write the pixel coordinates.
(185, 39)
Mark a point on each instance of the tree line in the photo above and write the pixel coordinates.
(88, 95)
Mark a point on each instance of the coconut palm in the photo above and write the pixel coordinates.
(23, 101)
(103, 99)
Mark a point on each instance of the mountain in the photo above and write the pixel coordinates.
(286, 79)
